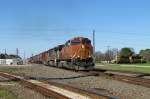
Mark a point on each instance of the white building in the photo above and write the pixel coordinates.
(10, 61)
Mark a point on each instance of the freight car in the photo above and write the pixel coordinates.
(76, 54)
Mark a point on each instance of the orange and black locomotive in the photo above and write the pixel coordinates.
(76, 54)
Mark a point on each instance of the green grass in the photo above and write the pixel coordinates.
(5, 94)
(142, 68)
(10, 69)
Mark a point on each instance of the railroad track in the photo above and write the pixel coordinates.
(39, 86)
(134, 78)
(55, 90)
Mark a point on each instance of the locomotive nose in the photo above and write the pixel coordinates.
(84, 52)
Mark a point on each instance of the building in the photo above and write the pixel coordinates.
(10, 62)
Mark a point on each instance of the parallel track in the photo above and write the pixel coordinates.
(44, 88)
(137, 79)
(55, 90)
(134, 78)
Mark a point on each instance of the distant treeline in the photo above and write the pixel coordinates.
(11, 56)
(146, 54)
(110, 54)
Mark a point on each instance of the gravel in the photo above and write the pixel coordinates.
(19, 91)
(117, 88)
(25, 93)
(113, 87)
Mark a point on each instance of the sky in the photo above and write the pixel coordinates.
(34, 26)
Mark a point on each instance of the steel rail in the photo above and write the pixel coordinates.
(136, 79)
(54, 90)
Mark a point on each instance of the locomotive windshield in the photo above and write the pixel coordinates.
(86, 41)
(75, 42)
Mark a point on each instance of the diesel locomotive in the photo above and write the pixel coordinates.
(76, 54)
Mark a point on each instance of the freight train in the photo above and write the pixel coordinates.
(76, 54)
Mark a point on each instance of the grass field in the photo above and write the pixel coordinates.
(143, 68)
(10, 69)
(5, 94)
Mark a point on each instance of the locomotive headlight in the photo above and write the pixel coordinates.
(83, 46)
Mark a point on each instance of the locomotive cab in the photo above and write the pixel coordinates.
(82, 47)
(78, 51)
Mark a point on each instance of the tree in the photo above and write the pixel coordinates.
(6, 56)
(146, 54)
(14, 56)
(115, 52)
(126, 52)
(108, 55)
(99, 56)
(2, 56)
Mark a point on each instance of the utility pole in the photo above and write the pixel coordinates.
(24, 57)
(108, 49)
(32, 54)
(117, 52)
(5, 51)
(117, 55)
(17, 52)
(94, 44)
(5, 55)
